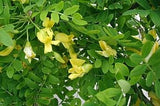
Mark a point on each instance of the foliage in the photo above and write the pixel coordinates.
(52, 50)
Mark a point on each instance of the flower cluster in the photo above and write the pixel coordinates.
(79, 68)
(45, 36)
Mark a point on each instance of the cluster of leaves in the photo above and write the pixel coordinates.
(113, 81)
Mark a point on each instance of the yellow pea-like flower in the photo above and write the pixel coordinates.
(48, 23)
(78, 68)
(45, 36)
(106, 50)
(65, 39)
(29, 53)
(67, 42)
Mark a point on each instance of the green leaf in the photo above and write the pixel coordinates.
(17, 65)
(123, 102)
(5, 38)
(55, 17)
(89, 103)
(146, 48)
(34, 77)
(6, 59)
(10, 72)
(58, 57)
(116, 5)
(149, 79)
(59, 6)
(142, 13)
(75, 101)
(6, 12)
(122, 69)
(46, 70)
(53, 79)
(90, 33)
(106, 95)
(155, 58)
(92, 53)
(46, 92)
(109, 93)
(48, 63)
(121, 22)
(16, 77)
(43, 101)
(1, 6)
(30, 83)
(125, 85)
(134, 80)
(71, 10)
(155, 16)
(135, 58)
(97, 63)
(77, 16)
(64, 17)
(20, 85)
(54, 102)
(40, 3)
(138, 70)
(105, 67)
(157, 88)
(110, 31)
(143, 3)
(79, 21)
(43, 15)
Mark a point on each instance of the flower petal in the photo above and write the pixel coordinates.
(74, 76)
(47, 48)
(62, 37)
(41, 35)
(77, 62)
(48, 23)
(55, 42)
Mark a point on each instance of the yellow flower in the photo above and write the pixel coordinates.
(153, 50)
(106, 50)
(78, 69)
(45, 36)
(65, 39)
(29, 53)
(67, 42)
(47, 23)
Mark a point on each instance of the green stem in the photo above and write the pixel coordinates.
(20, 36)
(34, 24)
(119, 100)
(27, 33)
